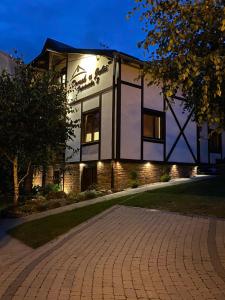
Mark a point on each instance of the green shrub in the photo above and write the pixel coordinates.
(81, 196)
(28, 208)
(71, 197)
(56, 195)
(42, 207)
(133, 175)
(134, 184)
(37, 199)
(51, 187)
(53, 204)
(91, 194)
(36, 189)
(165, 177)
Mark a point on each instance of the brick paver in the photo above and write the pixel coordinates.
(124, 253)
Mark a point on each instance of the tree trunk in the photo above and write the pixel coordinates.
(15, 181)
(28, 182)
(44, 173)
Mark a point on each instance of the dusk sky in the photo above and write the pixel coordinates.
(25, 25)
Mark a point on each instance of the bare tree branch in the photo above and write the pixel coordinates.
(27, 173)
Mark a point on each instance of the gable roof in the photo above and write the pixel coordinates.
(56, 46)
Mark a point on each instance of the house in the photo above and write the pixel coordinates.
(126, 126)
(6, 62)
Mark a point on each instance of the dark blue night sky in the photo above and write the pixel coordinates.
(25, 25)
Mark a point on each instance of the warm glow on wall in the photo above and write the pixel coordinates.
(81, 166)
(89, 64)
(100, 164)
(148, 164)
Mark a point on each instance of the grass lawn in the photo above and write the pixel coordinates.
(201, 198)
(205, 198)
(38, 232)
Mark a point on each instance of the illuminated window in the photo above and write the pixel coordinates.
(90, 127)
(215, 142)
(153, 125)
(62, 76)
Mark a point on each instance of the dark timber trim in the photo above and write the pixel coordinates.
(113, 107)
(142, 108)
(198, 143)
(124, 160)
(137, 86)
(164, 109)
(100, 127)
(95, 95)
(118, 126)
(209, 158)
(81, 129)
(90, 144)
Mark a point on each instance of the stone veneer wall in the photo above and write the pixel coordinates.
(147, 173)
(37, 176)
(72, 178)
(104, 175)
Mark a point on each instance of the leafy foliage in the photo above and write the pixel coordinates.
(185, 43)
(34, 123)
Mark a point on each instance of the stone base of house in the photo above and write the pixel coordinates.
(115, 176)
(148, 173)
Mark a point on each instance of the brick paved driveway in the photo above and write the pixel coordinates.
(124, 253)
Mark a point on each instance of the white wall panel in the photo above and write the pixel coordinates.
(214, 157)
(181, 153)
(152, 97)
(90, 152)
(223, 144)
(153, 151)
(204, 144)
(172, 131)
(90, 104)
(191, 135)
(106, 126)
(130, 122)
(70, 155)
(130, 74)
(178, 108)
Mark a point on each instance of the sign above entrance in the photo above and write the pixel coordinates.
(82, 80)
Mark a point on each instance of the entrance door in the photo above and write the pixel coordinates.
(89, 177)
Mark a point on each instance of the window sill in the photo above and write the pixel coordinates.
(90, 143)
(215, 152)
(152, 140)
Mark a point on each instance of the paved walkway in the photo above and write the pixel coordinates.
(124, 253)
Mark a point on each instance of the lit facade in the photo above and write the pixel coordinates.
(124, 124)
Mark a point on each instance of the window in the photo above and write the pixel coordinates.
(90, 127)
(215, 142)
(153, 125)
(62, 76)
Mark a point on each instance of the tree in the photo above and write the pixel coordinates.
(185, 44)
(34, 123)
